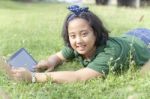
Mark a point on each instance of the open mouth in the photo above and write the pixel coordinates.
(81, 48)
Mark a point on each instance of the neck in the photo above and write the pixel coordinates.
(90, 53)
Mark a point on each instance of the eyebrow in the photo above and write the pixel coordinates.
(70, 32)
(79, 31)
(83, 31)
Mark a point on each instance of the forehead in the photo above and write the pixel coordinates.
(78, 24)
(78, 20)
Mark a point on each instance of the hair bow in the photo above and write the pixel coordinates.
(77, 10)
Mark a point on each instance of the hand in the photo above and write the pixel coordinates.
(5, 67)
(44, 65)
(21, 74)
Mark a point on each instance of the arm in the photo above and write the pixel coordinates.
(68, 76)
(55, 60)
(50, 63)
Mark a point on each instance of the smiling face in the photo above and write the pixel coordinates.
(81, 37)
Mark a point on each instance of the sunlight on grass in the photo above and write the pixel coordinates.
(37, 27)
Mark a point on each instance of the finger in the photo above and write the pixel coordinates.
(49, 69)
(36, 70)
(4, 66)
(42, 63)
(16, 77)
(41, 68)
(37, 66)
(16, 74)
(17, 70)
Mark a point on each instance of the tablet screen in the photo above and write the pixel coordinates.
(22, 59)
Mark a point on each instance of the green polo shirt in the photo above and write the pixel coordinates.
(115, 56)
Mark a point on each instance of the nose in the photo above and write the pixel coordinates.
(78, 40)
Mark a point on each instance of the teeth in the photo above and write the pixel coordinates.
(80, 47)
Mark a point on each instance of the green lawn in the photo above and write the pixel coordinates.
(37, 27)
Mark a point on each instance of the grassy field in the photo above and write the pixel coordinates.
(37, 27)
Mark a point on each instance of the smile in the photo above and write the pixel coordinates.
(81, 47)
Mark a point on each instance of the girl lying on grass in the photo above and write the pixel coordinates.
(88, 40)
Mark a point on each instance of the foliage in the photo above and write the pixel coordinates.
(37, 27)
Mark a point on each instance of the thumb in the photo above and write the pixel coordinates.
(49, 69)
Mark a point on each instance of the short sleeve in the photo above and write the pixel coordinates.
(114, 57)
(68, 53)
(102, 60)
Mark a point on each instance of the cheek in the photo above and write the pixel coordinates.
(71, 42)
(92, 40)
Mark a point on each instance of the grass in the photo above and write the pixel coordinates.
(37, 27)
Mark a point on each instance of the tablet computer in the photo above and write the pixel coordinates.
(22, 58)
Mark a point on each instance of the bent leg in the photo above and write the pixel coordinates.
(141, 33)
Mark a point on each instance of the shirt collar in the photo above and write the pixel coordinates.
(85, 62)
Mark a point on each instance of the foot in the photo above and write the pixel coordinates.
(4, 66)
(145, 69)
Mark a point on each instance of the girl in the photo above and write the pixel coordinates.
(87, 40)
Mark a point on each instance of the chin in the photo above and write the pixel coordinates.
(81, 52)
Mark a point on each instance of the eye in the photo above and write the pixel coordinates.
(72, 36)
(84, 34)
